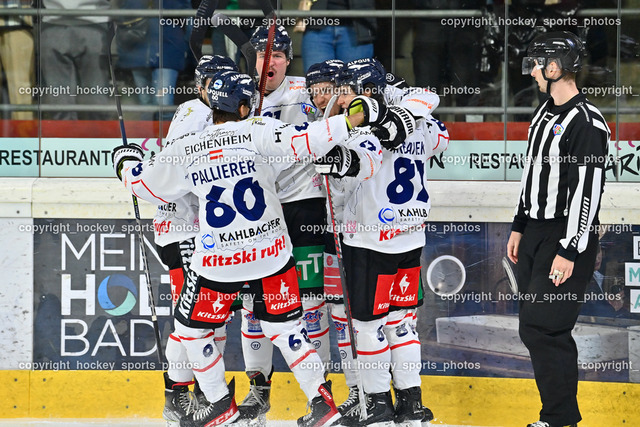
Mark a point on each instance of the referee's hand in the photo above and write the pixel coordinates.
(512, 246)
(561, 270)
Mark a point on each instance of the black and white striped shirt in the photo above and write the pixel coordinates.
(564, 170)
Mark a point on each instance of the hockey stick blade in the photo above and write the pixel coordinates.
(239, 38)
(267, 9)
(111, 34)
(204, 12)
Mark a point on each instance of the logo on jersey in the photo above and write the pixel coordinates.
(388, 234)
(215, 154)
(207, 241)
(558, 129)
(253, 324)
(312, 319)
(308, 109)
(386, 215)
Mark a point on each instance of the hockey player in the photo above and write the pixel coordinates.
(321, 85)
(383, 266)
(175, 226)
(231, 166)
(300, 192)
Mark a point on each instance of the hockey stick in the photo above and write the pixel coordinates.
(270, 15)
(204, 12)
(239, 38)
(345, 296)
(154, 319)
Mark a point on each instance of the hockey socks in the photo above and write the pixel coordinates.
(405, 348)
(205, 359)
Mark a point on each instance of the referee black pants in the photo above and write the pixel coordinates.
(549, 313)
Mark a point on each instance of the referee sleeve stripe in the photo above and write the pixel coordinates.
(595, 201)
(573, 217)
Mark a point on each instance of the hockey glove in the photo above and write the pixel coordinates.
(338, 162)
(399, 123)
(374, 111)
(123, 153)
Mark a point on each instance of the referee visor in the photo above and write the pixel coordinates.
(530, 63)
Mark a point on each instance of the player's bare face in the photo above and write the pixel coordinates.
(202, 91)
(345, 96)
(277, 69)
(321, 93)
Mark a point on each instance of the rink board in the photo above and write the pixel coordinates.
(460, 398)
(454, 400)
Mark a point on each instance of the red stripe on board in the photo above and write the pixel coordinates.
(151, 129)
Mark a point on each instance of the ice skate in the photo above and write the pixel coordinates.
(179, 402)
(219, 413)
(253, 409)
(379, 412)
(408, 409)
(351, 404)
(428, 416)
(323, 409)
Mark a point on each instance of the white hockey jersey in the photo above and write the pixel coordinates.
(232, 169)
(291, 103)
(419, 101)
(178, 220)
(386, 213)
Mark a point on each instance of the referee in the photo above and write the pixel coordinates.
(553, 236)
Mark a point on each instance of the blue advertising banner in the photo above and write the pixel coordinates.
(92, 310)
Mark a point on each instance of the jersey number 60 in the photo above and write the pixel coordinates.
(220, 214)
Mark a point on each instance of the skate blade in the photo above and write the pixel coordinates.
(382, 424)
(412, 423)
(260, 421)
(333, 421)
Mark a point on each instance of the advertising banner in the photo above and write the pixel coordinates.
(91, 309)
(91, 305)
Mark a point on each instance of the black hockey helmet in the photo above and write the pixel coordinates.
(325, 71)
(227, 89)
(563, 47)
(360, 72)
(211, 64)
(281, 40)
